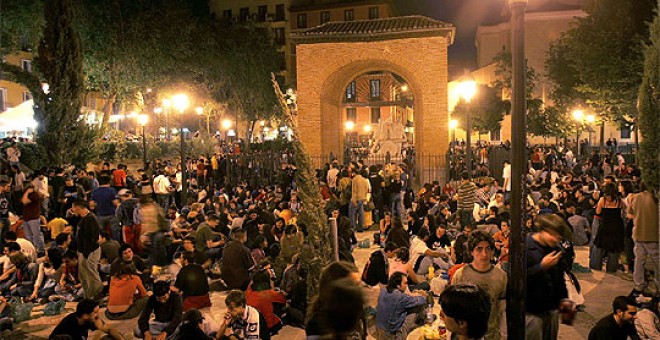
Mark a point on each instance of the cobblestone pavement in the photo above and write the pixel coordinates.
(598, 288)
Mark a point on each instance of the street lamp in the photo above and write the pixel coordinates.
(349, 126)
(143, 120)
(467, 89)
(166, 105)
(453, 124)
(181, 103)
(578, 116)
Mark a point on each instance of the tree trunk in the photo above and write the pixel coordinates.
(107, 110)
(602, 136)
(636, 127)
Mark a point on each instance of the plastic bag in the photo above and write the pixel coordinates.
(438, 284)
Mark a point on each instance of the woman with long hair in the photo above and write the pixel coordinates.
(123, 301)
(610, 235)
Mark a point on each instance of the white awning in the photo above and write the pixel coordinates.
(18, 118)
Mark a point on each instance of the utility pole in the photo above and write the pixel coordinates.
(518, 258)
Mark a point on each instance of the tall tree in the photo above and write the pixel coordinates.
(60, 61)
(649, 110)
(599, 61)
(486, 111)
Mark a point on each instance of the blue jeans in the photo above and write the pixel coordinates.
(33, 233)
(397, 204)
(358, 208)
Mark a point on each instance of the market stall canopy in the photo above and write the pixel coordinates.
(19, 117)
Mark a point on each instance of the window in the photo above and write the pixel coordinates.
(27, 96)
(375, 115)
(245, 14)
(280, 39)
(226, 14)
(350, 92)
(279, 12)
(325, 17)
(263, 13)
(373, 13)
(3, 99)
(25, 43)
(374, 88)
(351, 114)
(626, 131)
(349, 15)
(495, 135)
(302, 20)
(26, 65)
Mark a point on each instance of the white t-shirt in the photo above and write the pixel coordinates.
(27, 248)
(507, 174)
(247, 327)
(417, 248)
(161, 185)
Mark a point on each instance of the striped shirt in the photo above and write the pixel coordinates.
(467, 196)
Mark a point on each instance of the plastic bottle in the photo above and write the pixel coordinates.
(431, 272)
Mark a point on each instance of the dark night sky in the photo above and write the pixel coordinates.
(466, 15)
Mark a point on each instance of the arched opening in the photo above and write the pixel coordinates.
(377, 114)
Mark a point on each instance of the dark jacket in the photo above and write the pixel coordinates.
(88, 234)
(236, 265)
(545, 288)
(170, 312)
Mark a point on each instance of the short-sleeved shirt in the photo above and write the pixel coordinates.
(493, 282)
(32, 210)
(103, 196)
(417, 248)
(69, 326)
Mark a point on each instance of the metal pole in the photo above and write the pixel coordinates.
(167, 124)
(335, 239)
(518, 259)
(577, 139)
(184, 167)
(144, 148)
(468, 140)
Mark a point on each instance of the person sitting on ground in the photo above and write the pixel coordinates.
(268, 301)
(241, 321)
(209, 241)
(166, 306)
(258, 250)
(193, 284)
(86, 318)
(291, 242)
(237, 261)
(398, 313)
(70, 287)
(109, 252)
(620, 324)
(465, 308)
(398, 235)
(26, 246)
(192, 326)
(128, 257)
(647, 322)
(188, 245)
(377, 270)
(123, 301)
(403, 265)
(422, 257)
(28, 277)
(8, 277)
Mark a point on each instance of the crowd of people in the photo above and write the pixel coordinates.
(124, 241)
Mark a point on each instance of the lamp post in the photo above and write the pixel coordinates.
(467, 89)
(578, 116)
(349, 125)
(166, 106)
(453, 124)
(181, 103)
(590, 119)
(143, 120)
(518, 259)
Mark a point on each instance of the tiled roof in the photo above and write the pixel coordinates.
(414, 25)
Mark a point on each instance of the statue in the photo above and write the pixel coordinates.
(388, 137)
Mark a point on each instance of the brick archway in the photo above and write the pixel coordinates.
(331, 55)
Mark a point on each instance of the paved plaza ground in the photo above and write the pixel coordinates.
(598, 288)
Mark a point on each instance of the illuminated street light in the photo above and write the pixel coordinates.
(367, 128)
(453, 124)
(467, 89)
(180, 102)
(404, 88)
(578, 115)
(590, 119)
(349, 125)
(226, 124)
(158, 110)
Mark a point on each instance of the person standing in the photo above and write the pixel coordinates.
(467, 197)
(485, 275)
(89, 251)
(360, 190)
(610, 235)
(546, 288)
(643, 210)
(163, 189)
(236, 262)
(506, 179)
(102, 201)
(32, 205)
(40, 184)
(5, 208)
